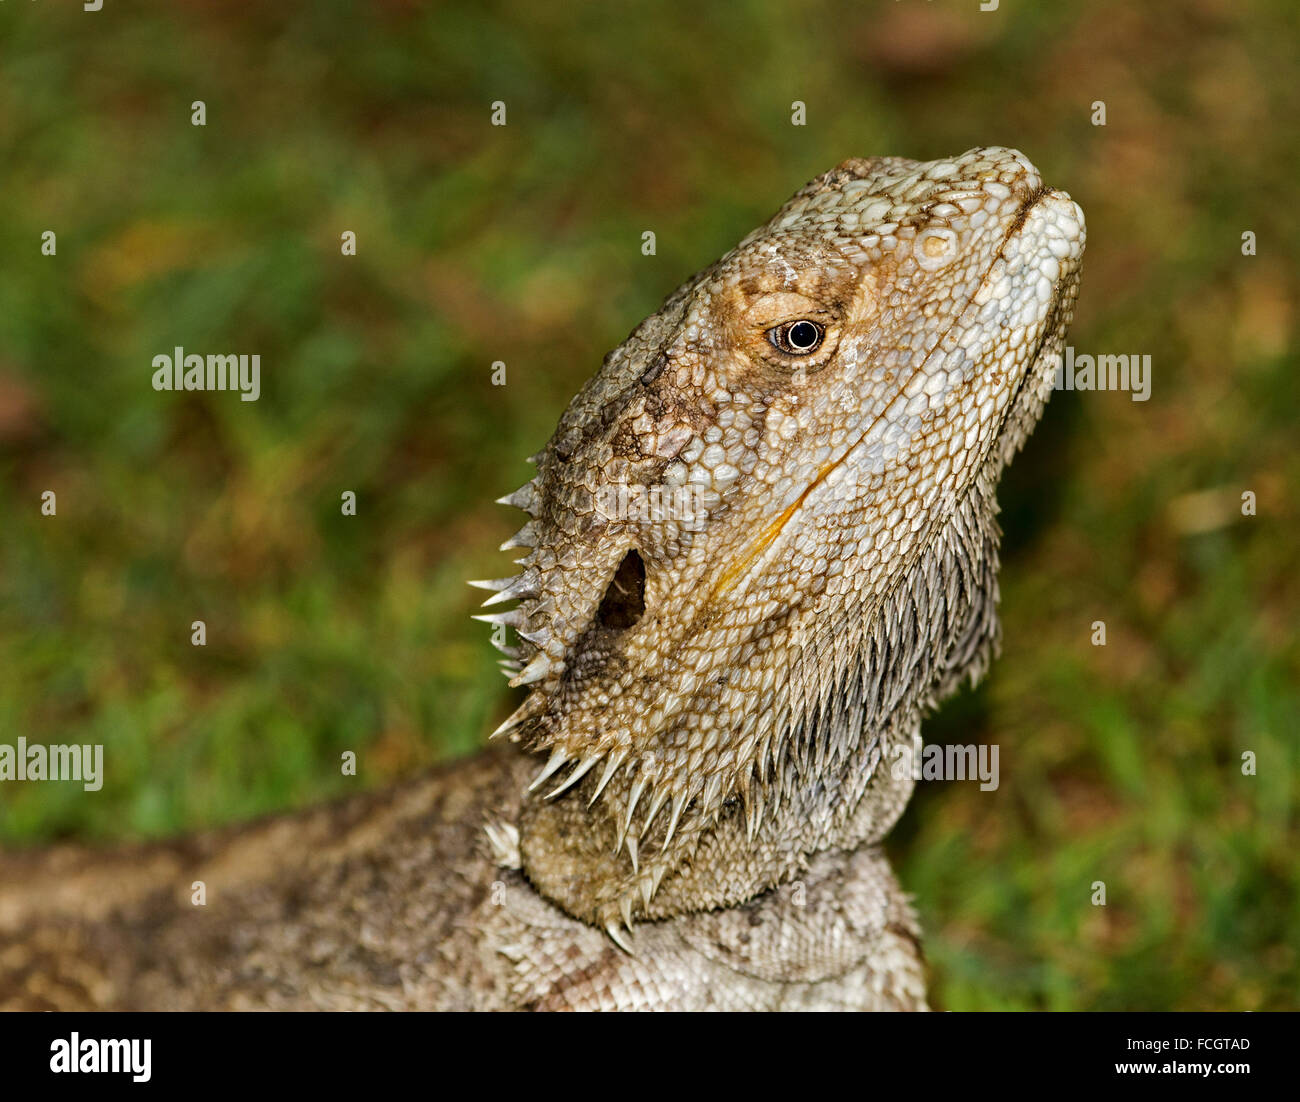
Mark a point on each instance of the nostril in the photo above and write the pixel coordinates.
(624, 600)
(936, 247)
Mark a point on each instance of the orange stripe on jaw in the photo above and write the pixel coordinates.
(737, 569)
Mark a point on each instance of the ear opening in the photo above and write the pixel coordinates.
(624, 601)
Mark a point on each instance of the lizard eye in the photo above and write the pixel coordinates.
(797, 338)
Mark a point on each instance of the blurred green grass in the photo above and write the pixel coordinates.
(522, 244)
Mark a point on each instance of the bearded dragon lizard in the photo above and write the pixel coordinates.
(761, 545)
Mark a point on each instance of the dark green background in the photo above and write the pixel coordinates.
(522, 244)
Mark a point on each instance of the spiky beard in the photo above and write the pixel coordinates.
(855, 689)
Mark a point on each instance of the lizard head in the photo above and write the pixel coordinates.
(727, 508)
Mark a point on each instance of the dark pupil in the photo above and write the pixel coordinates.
(802, 336)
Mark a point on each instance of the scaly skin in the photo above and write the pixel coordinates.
(762, 545)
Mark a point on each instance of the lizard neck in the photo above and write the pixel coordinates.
(837, 783)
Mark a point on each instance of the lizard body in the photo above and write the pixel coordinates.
(761, 545)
